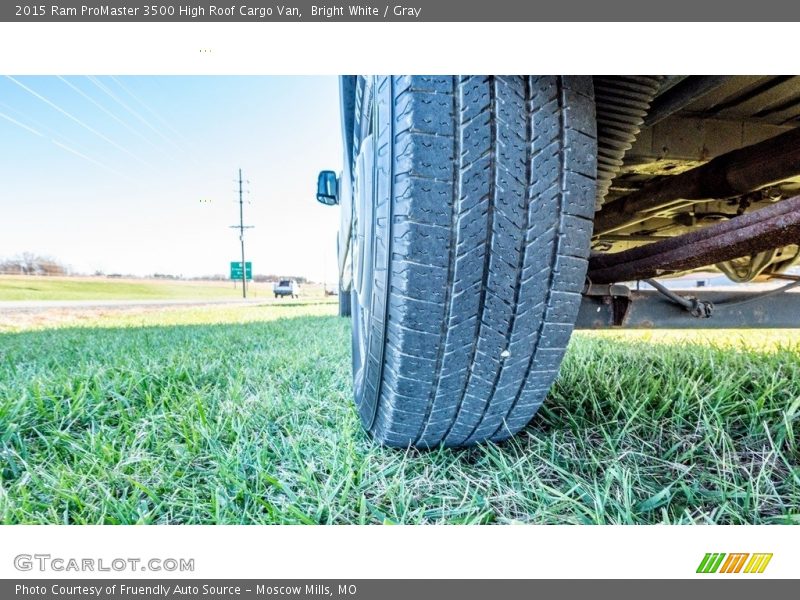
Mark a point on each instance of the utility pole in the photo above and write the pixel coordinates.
(241, 227)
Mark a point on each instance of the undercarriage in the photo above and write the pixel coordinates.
(695, 174)
(693, 153)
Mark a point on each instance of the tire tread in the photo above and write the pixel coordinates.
(493, 194)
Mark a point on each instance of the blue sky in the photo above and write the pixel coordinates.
(108, 173)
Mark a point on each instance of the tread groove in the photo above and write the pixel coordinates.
(456, 190)
(519, 267)
(486, 262)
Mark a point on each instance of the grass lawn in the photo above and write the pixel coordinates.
(19, 288)
(243, 415)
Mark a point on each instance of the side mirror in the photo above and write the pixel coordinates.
(327, 188)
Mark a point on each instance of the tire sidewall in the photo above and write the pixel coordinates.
(369, 331)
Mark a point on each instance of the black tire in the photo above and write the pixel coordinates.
(471, 247)
(344, 303)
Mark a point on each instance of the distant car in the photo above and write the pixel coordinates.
(286, 287)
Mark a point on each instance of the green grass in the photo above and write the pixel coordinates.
(20, 288)
(154, 418)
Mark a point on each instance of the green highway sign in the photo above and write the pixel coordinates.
(236, 269)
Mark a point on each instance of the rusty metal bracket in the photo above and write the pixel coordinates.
(614, 296)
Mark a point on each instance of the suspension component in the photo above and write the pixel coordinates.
(725, 176)
(622, 104)
(772, 227)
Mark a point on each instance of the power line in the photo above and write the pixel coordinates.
(113, 116)
(117, 99)
(77, 120)
(90, 159)
(15, 122)
(64, 146)
(158, 117)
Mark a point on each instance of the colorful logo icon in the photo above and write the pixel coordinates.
(737, 562)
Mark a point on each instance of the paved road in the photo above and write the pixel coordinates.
(40, 305)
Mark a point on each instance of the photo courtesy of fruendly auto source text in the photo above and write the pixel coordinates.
(380, 300)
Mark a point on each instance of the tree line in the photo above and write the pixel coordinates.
(29, 263)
